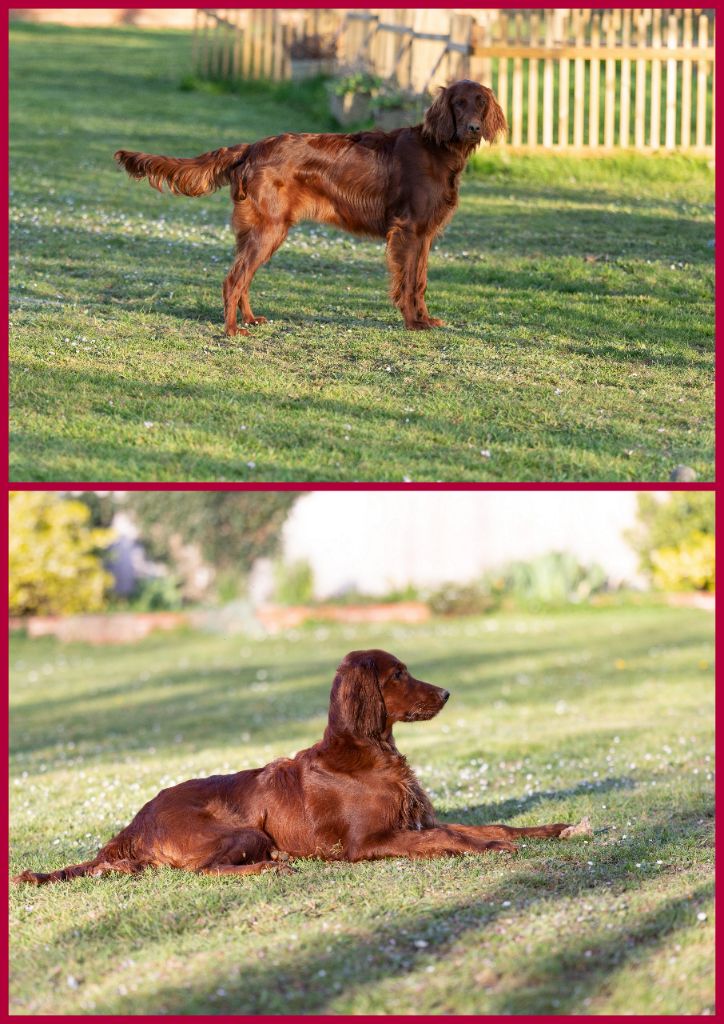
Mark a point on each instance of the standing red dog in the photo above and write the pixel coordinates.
(400, 185)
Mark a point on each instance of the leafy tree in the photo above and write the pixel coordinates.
(231, 528)
(55, 562)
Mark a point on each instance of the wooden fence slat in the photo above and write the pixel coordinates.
(655, 132)
(502, 90)
(640, 114)
(548, 85)
(579, 85)
(517, 134)
(671, 74)
(625, 107)
(533, 87)
(609, 109)
(686, 68)
(594, 103)
(701, 86)
(563, 92)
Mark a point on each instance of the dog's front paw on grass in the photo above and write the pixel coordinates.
(583, 828)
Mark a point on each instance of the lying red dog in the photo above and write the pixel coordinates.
(352, 796)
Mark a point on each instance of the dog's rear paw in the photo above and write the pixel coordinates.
(31, 877)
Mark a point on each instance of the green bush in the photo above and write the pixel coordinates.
(689, 566)
(294, 582)
(675, 540)
(54, 555)
(552, 580)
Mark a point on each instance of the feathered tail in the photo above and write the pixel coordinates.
(187, 177)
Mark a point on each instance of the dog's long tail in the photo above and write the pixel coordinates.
(196, 176)
(116, 855)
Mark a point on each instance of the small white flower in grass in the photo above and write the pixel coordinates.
(321, 974)
(588, 953)
(72, 982)
(148, 424)
(485, 452)
(388, 369)
(420, 943)
(251, 464)
(701, 916)
(406, 479)
(557, 391)
(505, 903)
(430, 968)
(221, 991)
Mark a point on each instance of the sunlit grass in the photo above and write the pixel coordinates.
(578, 296)
(603, 713)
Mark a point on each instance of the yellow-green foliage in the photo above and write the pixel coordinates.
(55, 566)
(689, 566)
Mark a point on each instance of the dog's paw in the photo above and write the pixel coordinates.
(583, 828)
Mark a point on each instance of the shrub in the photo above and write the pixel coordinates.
(294, 582)
(675, 540)
(54, 556)
(689, 566)
(549, 581)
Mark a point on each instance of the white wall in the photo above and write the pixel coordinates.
(381, 540)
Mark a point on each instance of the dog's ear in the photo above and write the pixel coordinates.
(356, 705)
(494, 123)
(439, 124)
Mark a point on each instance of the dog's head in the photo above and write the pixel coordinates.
(373, 689)
(463, 114)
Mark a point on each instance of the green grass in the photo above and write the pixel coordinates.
(578, 293)
(606, 713)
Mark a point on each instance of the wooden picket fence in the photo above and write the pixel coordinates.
(591, 79)
(576, 79)
(258, 43)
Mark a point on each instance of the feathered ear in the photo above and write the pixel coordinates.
(439, 124)
(356, 705)
(494, 123)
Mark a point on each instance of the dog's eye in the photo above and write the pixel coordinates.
(398, 674)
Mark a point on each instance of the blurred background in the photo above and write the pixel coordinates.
(272, 560)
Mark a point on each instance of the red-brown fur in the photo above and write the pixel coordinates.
(400, 185)
(352, 796)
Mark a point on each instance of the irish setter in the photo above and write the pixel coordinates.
(400, 185)
(352, 796)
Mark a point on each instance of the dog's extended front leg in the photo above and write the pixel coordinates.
(442, 841)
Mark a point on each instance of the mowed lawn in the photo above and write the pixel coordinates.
(578, 296)
(604, 713)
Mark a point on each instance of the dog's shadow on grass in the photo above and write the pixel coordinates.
(556, 976)
(502, 810)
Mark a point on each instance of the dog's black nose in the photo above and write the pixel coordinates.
(445, 695)
(474, 129)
